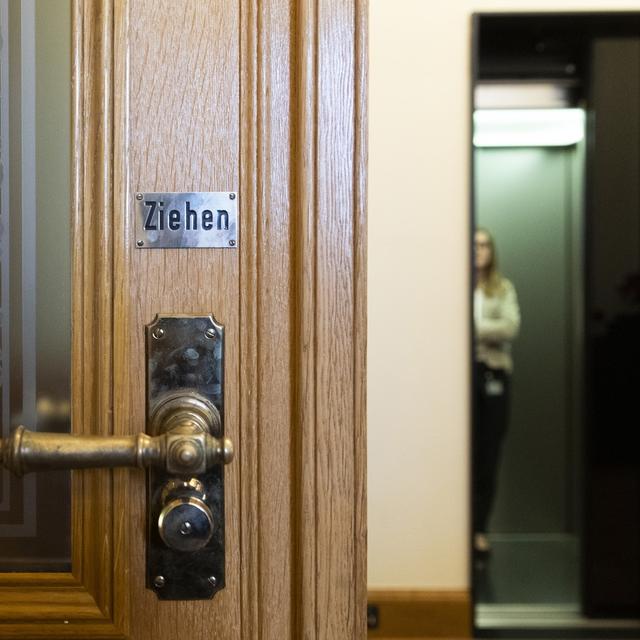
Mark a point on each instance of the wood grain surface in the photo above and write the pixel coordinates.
(267, 98)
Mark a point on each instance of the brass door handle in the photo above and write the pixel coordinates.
(25, 451)
(184, 445)
(184, 452)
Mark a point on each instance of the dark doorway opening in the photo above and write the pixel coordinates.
(564, 207)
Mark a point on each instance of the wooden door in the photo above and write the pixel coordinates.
(266, 98)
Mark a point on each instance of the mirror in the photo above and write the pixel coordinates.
(556, 303)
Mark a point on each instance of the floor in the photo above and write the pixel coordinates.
(530, 588)
(530, 570)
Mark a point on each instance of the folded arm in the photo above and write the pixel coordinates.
(507, 326)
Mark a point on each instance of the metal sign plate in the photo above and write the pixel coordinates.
(176, 220)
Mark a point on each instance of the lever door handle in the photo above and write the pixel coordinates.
(25, 451)
(184, 450)
(184, 444)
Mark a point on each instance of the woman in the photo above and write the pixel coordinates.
(497, 321)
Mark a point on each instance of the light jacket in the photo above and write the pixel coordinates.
(497, 322)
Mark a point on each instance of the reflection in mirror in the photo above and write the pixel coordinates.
(556, 465)
(35, 305)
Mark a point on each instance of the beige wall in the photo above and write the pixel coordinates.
(418, 285)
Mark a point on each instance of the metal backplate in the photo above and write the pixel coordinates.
(197, 219)
(185, 354)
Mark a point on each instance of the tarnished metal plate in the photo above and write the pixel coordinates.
(198, 220)
(186, 353)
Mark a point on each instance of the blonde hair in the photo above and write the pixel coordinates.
(493, 282)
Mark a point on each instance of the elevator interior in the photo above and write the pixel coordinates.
(556, 160)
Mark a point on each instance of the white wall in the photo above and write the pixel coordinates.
(418, 285)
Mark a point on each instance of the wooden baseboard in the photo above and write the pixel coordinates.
(421, 614)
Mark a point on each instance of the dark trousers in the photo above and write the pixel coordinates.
(491, 398)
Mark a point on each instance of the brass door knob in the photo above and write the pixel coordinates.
(185, 522)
